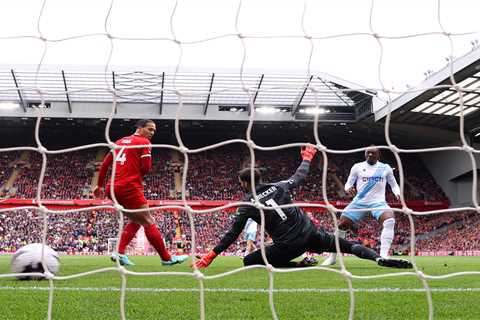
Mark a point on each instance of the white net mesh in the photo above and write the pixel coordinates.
(313, 41)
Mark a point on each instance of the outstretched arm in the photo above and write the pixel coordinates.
(302, 171)
(229, 238)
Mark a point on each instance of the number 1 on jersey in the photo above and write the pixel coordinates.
(121, 156)
(272, 203)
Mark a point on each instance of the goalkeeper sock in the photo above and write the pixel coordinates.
(364, 253)
(332, 257)
(127, 235)
(386, 237)
(156, 240)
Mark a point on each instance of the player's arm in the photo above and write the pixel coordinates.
(350, 184)
(107, 162)
(393, 183)
(302, 171)
(229, 238)
(145, 160)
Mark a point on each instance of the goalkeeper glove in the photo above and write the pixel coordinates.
(206, 260)
(308, 153)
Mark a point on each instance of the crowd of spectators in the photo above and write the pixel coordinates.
(66, 232)
(445, 231)
(209, 228)
(160, 182)
(67, 176)
(212, 175)
(461, 234)
(85, 231)
(7, 164)
(89, 231)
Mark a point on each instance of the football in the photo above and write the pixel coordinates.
(29, 259)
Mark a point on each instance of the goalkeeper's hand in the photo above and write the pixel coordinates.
(308, 153)
(205, 260)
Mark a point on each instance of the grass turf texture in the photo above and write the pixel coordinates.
(83, 298)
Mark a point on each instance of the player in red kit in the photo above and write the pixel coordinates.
(131, 164)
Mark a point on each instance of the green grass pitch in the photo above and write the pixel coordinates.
(299, 295)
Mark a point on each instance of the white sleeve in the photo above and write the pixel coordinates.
(352, 177)
(393, 182)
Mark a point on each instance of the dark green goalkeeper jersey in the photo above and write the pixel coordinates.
(282, 224)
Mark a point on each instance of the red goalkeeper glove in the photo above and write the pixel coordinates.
(206, 260)
(308, 153)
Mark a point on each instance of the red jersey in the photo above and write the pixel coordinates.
(131, 163)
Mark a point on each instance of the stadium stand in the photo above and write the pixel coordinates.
(211, 176)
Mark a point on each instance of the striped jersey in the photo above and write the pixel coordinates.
(370, 182)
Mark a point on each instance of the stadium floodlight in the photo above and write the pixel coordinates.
(315, 111)
(9, 105)
(266, 110)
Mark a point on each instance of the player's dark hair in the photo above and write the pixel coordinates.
(372, 146)
(143, 123)
(244, 175)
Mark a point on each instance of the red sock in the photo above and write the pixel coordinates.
(128, 233)
(156, 240)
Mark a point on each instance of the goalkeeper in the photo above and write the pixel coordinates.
(292, 231)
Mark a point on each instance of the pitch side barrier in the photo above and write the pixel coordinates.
(416, 205)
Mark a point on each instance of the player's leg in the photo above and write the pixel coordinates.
(151, 231)
(278, 255)
(250, 237)
(347, 220)
(128, 232)
(322, 241)
(156, 240)
(136, 199)
(387, 219)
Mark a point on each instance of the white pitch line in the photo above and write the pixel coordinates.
(247, 290)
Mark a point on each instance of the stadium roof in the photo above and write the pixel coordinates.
(435, 102)
(289, 94)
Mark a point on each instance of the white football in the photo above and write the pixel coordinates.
(29, 259)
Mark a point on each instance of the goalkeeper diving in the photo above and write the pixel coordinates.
(292, 231)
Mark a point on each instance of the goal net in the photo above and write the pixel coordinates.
(374, 40)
